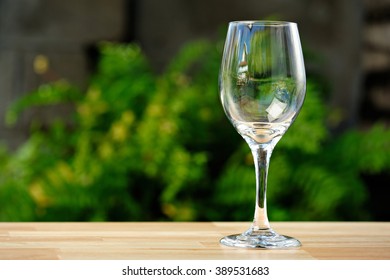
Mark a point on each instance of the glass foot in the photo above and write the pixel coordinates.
(267, 239)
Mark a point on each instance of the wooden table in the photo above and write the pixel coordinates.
(198, 240)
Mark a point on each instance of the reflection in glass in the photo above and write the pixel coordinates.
(262, 88)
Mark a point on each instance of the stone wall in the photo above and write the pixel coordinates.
(331, 29)
(350, 39)
(56, 35)
(375, 104)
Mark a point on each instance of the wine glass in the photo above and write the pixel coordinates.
(262, 85)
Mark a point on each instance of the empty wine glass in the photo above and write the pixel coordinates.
(262, 87)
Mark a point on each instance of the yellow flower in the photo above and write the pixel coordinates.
(119, 131)
(65, 171)
(168, 127)
(105, 150)
(84, 110)
(169, 209)
(93, 94)
(39, 196)
(155, 110)
(128, 117)
(41, 64)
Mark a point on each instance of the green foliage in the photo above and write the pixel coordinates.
(145, 147)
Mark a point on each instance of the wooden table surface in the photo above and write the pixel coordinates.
(197, 240)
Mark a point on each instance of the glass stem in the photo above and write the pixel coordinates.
(261, 155)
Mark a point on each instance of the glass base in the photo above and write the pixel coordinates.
(266, 239)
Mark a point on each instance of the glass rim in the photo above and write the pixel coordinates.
(263, 22)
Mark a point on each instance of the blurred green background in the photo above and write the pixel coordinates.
(144, 137)
(141, 146)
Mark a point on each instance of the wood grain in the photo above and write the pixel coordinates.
(197, 240)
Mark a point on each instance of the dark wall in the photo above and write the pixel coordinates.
(332, 29)
(53, 33)
(350, 40)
